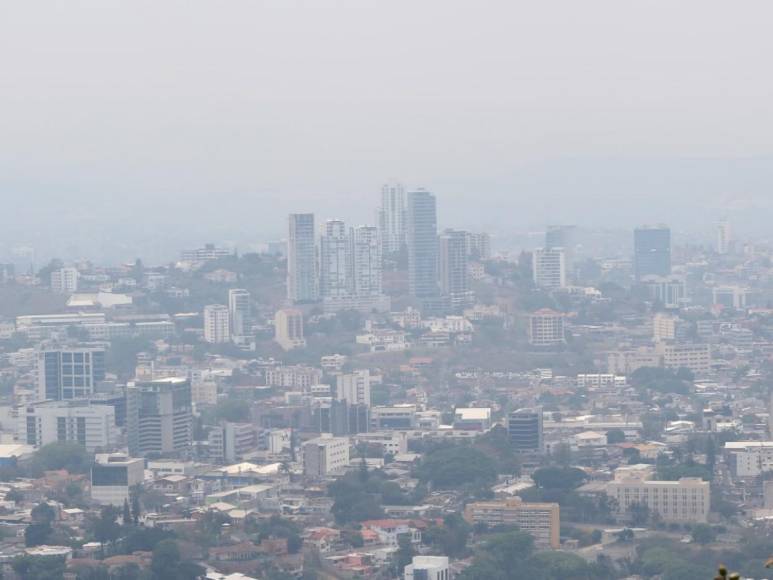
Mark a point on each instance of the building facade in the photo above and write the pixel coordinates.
(159, 417)
(302, 281)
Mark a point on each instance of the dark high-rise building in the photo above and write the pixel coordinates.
(524, 428)
(159, 417)
(651, 251)
(422, 245)
(71, 373)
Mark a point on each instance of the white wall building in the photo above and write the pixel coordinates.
(217, 328)
(549, 268)
(90, 425)
(325, 456)
(239, 311)
(288, 328)
(354, 387)
(64, 280)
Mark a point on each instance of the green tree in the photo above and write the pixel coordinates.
(615, 436)
(31, 568)
(452, 467)
(70, 456)
(703, 534)
(560, 478)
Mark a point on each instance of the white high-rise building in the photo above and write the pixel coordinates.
(216, 324)
(64, 280)
(335, 261)
(549, 268)
(724, 237)
(392, 217)
(366, 261)
(325, 455)
(302, 283)
(354, 387)
(288, 328)
(239, 311)
(452, 266)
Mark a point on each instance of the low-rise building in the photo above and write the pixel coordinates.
(541, 520)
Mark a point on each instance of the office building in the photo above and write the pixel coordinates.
(230, 442)
(428, 568)
(64, 280)
(239, 312)
(325, 456)
(208, 253)
(651, 251)
(217, 327)
(82, 422)
(695, 357)
(732, 297)
(685, 500)
(72, 373)
(400, 416)
(670, 291)
(724, 237)
(288, 328)
(392, 218)
(335, 261)
(159, 417)
(549, 268)
(664, 327)
(541, 520)
(546, 328)
(454, 275)
(366, 262)
(525, 430)
(421, 236)
(302, 259)
(354, 387)
(113, 476)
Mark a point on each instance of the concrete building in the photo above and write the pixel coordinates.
(82, 422)
(325, 456)
(724, 237)
(400, 416)
(288, 328)
(652, 251)
(749, 458)
(159, 417)
(71, 373)
(239, 312)
(367, 274)
(564, 238)
(472, 418)
(546, 328)
(421, 236)
(664, 327)
(428, 568)
(113, 476)
(525, 430)
(392, 217)
(541, 520)
(732, 297)
(696, 357)
(354, 387)
(64, 280)
(302, 283)
(549, 268)
(686, 500)
(454, 275)
(217, 326)
(478, 246)
(231, 442)
(670, 291)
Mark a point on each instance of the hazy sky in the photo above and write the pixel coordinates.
(212, 119)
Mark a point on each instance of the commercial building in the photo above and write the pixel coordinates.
(217, 327)
(325, 456)
(159, 417)
(546, 328)
(239, 312)
(525, 430)
(72, 373)
(421, 236)
(64, 280)
(209, 253)
(231, 442)
(696, 357)
(302, 281)
(428, 568)
(113, 476)
(541, 520)
(454, 275)
(288, 328)
(354, 387)
(90, 425)
(472, 418)
(549, 268)
(651, 251)
(402, 416)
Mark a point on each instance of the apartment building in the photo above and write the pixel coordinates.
(541, 520)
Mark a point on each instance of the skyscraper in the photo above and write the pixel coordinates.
(217, 328)
(159, 417)
(724, 237)
(366, 262)
(239, 311)
(422, 245)
(454, 277)
(549, 268)
(335, 261)
(71, 373)
(392, 217)
(651, 251)
(302, 259)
